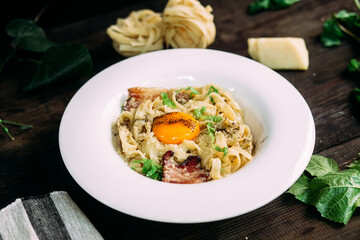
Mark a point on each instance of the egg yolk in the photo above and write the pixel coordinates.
(175, 127)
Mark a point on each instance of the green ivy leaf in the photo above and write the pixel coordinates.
(28, 36)
(331, 34)
(340, 23)
(262, 5)
(353, 65)
(60, 62)
(278, 4)
(349, 19)
(356, 94)
(258, 6)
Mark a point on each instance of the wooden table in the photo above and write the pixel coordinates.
(32, 164)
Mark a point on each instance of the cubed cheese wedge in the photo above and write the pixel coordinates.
(287, 53)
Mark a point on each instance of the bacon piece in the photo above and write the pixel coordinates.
(137, 95)
(187, 172)
(182, 97)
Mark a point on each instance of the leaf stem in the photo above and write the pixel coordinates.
(21, 125)
(6, 130)
(345, 30)
(7, 59)
(357, 4)
(345, 164)
(27, 60)
(36, 19)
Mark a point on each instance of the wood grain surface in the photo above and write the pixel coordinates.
(32, 164)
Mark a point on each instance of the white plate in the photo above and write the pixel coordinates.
(279, 117)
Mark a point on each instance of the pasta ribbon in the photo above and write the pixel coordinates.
(140, 32)
(187, 24)
(215, 171)
(223, 148)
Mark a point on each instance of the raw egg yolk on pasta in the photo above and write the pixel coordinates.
(175, 127)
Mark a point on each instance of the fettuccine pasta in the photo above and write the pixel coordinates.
(140, 32)
(205, 121)
(182, 24)
(187, 24)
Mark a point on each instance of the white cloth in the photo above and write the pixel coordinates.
(51, 216)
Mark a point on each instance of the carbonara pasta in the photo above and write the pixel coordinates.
(172, 127)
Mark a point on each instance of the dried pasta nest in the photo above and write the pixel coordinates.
(140, 32)
(187, 24)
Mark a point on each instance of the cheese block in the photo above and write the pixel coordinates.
(280, 53)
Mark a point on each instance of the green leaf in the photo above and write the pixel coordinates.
(156, 176)
(225, 150)
(151, 169)
(357, 3)
(355, 95)
(28, 36)
(211, 131)
(357, 204)
(58, 63)
(211, 118)
(341, 23)
(331, 34)
(353, 65)
(355, 165)
(345, 15)
(199, 112)
(21, 125)
(193, 91)
(262, 5)
(258, 6)
(348, 19)
(166, 101)
(354, 98)
(6, 130)
(319, 166)
(300, 187)
(335, 195)
(211, 90)
(278, 4)
(147, 165)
